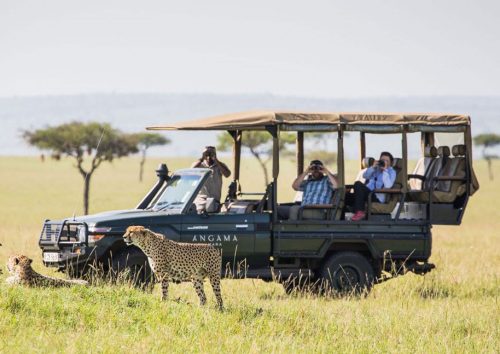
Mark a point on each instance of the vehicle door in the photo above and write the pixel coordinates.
(244, 242)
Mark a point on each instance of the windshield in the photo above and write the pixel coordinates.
(178, 192)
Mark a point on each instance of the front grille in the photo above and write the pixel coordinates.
(53, 233)
(50, 232)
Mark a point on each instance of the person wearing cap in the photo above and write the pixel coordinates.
(316, 189)
(213, 185)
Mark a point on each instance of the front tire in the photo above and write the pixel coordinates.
(348, 272)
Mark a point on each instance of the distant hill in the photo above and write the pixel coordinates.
(132, 112)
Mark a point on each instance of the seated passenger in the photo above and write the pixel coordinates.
(379, 175)
(213, 185)
(317, 188)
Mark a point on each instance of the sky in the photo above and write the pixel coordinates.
(299, 48)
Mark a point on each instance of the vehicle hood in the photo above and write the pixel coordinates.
(119, 220)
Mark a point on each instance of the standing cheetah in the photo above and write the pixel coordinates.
(174, 261)
(21, 272)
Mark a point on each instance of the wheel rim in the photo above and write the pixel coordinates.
(346, 278)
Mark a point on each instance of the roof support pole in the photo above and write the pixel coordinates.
(404, 146)
(427, 139)
(299, 153)
(273, 130)
(471, 181)
(468, 160)
(362, 147)
(236, 135)
(340, 156)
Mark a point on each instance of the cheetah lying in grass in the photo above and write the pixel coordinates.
(21, 272)
(174, 261)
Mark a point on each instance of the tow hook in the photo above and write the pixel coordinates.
(421, 268)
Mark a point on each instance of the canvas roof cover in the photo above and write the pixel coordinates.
(260, 119)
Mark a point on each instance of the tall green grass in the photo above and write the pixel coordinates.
(454, 308)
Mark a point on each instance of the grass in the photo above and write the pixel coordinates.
(455, 308)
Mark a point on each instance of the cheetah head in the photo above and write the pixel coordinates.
(135, 235)
(17, 263)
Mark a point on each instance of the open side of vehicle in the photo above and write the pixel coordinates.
(257, 242)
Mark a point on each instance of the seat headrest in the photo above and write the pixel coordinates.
(458, 150)
(397, 163)
(444, 151)
(367, 162)
(430, 151)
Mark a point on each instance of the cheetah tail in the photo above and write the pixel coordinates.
(78, 282)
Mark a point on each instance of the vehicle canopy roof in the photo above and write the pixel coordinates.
(289, 120)
(375, 122)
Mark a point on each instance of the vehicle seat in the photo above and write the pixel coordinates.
(242, 206)
(447, 191)
(365, 163)
(392, 198)
(324, 212)
(424, 167)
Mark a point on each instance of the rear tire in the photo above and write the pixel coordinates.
(348, 272)
(132, 266)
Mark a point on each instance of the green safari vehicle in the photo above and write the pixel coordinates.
(257, 243)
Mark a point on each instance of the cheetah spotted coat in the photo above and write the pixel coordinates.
(19, 267)
(174, 261)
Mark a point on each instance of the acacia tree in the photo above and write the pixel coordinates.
(89, 144)
(144, 141)
(259, 143)
(324, 153)
(488, 141)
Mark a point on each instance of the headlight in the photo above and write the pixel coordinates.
(97, 233)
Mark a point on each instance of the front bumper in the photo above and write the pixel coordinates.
(65, 245)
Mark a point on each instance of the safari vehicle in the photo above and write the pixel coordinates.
(255, 242)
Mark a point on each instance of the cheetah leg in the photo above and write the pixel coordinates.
(215, 282)
(164, 289)
(198, 286)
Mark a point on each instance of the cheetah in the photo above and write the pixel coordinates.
(21, 272)
(174, 261)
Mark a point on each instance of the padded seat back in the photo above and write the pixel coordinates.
(425, 165)
(242, 206)
(440, 163)
(365, 163)
(448, 191)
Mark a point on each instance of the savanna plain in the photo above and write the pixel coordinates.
(453, 309)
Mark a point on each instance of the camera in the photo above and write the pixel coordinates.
(381, 163)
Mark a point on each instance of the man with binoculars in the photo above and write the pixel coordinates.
(379, 175)
(317, 188)
(212, 188)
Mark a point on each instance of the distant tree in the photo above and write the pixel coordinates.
(328, 158)
(144, 142)
(323, 154)
(488, 141)
(259, 143)
(88, 143)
